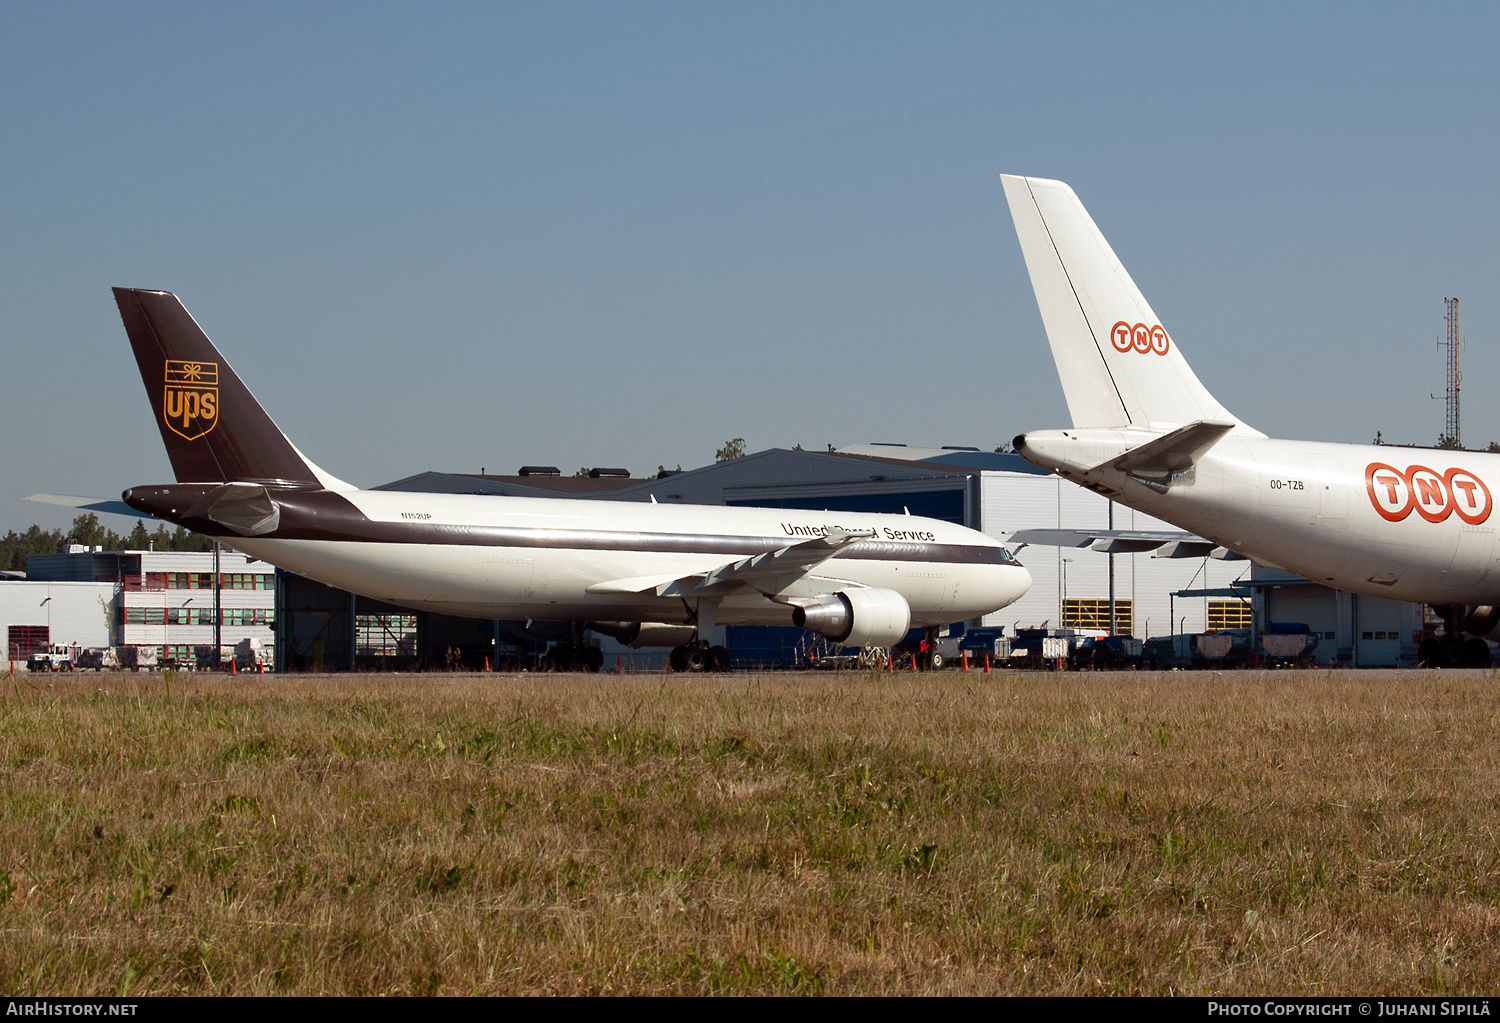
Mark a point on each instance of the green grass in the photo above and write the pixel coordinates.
(1186, 833)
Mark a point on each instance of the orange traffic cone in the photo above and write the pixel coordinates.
(986, 664)
(618, 669)
(913, 662)
(233, 668)
(262, 665)
(963, 659)
(486, 664)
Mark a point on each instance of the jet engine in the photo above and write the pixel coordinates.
(857, 617)
(647, 634)
(1483, 620)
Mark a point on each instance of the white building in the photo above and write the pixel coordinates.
(34, 615)
(170, 600)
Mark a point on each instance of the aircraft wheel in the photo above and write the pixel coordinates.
(718, 658)
(1452, 654)
(695, 658)
(593, 658)
(1476, 653)
(677, 659)
(1429, 653)
(936, 661)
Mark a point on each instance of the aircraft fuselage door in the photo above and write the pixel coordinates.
(1331, 491)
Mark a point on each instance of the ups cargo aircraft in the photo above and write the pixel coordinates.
(648, 574)
(1391, 522)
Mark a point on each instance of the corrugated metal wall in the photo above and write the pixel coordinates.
(1014, 501)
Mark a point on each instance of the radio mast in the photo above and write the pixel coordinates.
(1451, 426)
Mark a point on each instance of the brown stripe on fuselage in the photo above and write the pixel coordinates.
(328, 516)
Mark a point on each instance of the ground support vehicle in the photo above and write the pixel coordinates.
(250, 655)
(1168, 653)
(54, 658)
(1227, 648)
(101, 658)
(211, 658)
(137, 658)
(1041, 648)
(1288, 644)
(1106, 653)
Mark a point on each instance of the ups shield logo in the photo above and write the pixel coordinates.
(190, 403)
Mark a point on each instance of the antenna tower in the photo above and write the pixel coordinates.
(1453, 344)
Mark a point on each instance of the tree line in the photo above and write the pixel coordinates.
(86, 530)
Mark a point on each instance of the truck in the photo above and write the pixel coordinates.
(55, 658)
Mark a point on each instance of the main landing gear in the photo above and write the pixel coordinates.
(1451, 648)
(574, 658)
(698, 656)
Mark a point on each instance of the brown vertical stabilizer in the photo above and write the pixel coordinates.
(214, 429)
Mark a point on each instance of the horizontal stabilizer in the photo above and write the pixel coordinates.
(1157, 460)
(93, 504)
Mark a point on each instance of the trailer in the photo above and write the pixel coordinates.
(1168, 653)
(1289, 644)
(137, 658)
(251, 655)
(208, 657)
(1107, 653)
(98, 658)
(1041, 648)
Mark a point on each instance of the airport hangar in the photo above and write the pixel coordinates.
(320, 628)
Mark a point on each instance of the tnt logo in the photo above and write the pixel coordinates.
(1432, 495)
(190, 402)
(1139, 337)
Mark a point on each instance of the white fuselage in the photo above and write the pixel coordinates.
(551, 551)
(1409, 523)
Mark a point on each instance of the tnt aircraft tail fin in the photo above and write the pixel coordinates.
(214, 429)
(1119, 366)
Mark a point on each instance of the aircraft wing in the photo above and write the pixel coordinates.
(93, 504)
(770, 573)
(1165, 542)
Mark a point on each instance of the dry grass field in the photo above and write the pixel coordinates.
(1288, 832)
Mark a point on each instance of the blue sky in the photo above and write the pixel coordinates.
(619, 234)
